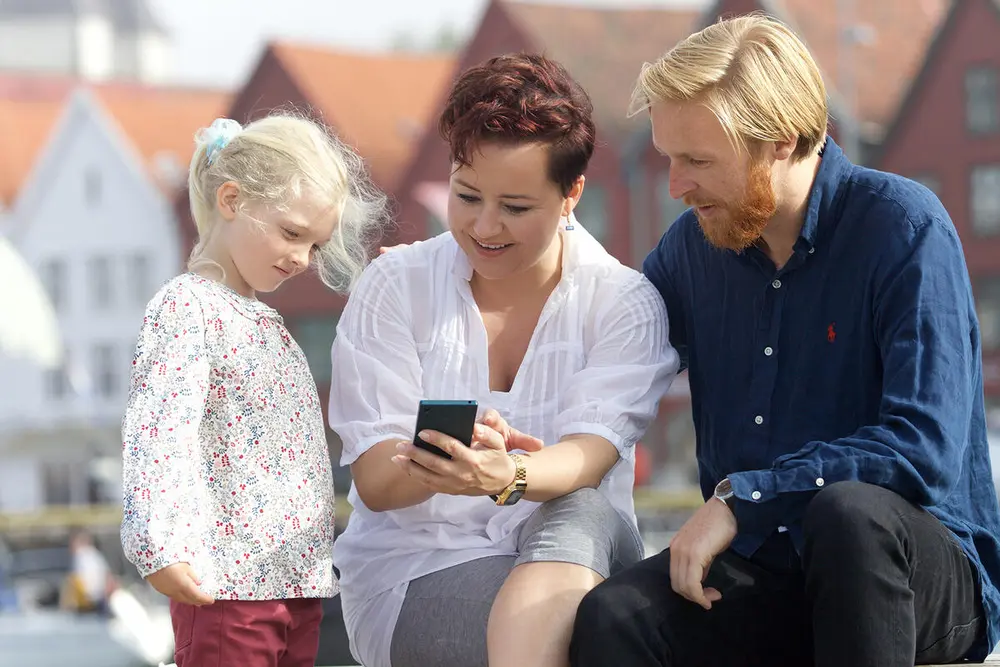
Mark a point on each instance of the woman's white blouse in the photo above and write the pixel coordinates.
(599, 362)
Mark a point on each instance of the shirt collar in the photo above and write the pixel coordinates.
(834, 170)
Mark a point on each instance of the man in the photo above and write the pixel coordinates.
(826, 320)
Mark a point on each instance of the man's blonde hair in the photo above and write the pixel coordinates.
(753, 73)
(277, 161)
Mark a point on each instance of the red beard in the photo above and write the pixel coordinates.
(738, 226)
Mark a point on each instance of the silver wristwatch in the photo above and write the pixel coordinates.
(724, 492)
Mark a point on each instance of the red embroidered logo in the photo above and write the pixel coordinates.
(831, 332)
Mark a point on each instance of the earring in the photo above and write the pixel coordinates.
(569, 224)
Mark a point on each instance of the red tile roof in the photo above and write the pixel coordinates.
(380, 104)
(157, 120)
(25, 125)
(900, 34)
(604, 48)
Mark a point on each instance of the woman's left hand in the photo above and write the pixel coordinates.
(480, 470)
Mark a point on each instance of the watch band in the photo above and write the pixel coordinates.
(515, 490)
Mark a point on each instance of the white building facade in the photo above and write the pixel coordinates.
(102, 237)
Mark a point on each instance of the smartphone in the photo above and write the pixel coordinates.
(454, 418)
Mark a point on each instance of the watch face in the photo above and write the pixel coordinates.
(514, 496)
(724, 489)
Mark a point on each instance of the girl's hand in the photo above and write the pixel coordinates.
(480, 470)
(179, 583)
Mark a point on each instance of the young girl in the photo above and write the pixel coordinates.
(228, 494)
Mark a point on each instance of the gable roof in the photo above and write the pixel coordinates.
(380, 104)
(159, 121)
(901, 33)
(891, 46)
(604, 48)
(943, 33)
(25, 126)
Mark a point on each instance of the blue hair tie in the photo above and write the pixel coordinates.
(218, 135)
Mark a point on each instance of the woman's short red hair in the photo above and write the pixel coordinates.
(521, 98)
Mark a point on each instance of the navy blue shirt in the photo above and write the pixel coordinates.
(858, 360)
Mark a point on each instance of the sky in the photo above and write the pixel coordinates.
(217, 42)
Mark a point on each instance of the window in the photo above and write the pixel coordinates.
(930, 182)
(99, 272)
(670, 208)
(592, 210)
(57, 481)
(92, 187)
(315, 336)
(985, 192)
(139, 278)
(105, 371)
(982, 100)
(988, 311)
(57, 383)
(52, 274)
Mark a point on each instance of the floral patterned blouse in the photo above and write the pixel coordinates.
(225, 457)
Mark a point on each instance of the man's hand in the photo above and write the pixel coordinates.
(384, 249)
(703, 537)
(179, 583)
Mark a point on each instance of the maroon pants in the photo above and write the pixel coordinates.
(247, 633)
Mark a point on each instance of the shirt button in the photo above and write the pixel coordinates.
(758, 420)
(776, 284)
(768, 351)
(812, 250)
(755, 495)
(820, 481)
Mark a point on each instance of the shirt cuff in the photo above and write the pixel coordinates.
(625, 447)
(154, 559)
(760, 486)
(355, 446)
(755, 486)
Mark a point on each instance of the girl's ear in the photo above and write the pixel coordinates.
(227, 199)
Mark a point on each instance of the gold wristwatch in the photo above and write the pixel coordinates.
(516, 489)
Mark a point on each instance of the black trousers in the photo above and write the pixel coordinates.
(881, 583)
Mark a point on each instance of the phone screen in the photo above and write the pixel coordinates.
(454, 418)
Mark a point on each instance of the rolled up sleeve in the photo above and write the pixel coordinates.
(376, 380)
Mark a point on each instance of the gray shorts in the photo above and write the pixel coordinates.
(444, 615)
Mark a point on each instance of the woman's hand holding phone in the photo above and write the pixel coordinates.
(514, 440)
(480, 470)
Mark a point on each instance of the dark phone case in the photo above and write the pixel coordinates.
(454, 418)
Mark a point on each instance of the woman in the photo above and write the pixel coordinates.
(523, 311)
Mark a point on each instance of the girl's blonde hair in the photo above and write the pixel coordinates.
(276, 161)
(753, 73)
